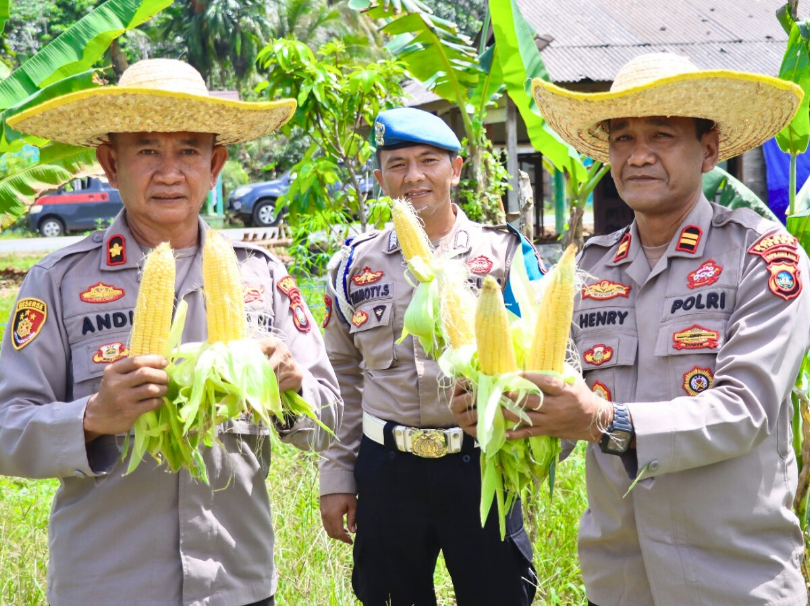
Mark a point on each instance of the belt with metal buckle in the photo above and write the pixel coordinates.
(427, 443)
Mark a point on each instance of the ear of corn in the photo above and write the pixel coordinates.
(495, 353)
(224, 296)
(554, 316)
(458, 314)
(153, 311)
(411, 236)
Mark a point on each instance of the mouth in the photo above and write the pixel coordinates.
(417, 193)
(641, 179)
(168, 198)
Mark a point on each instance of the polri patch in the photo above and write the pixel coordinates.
(367, 277)
(287, 285)
(327, 301)
(101, 293)
(697, 380)
(624, 248)
(604, 290)
(359, 318)
(379, 311)
(116, 250)
(480, 265)
(598, 354)
(110, 352)
(708, 273)
(695, 337)
(784, 280)
(253, 293)
(601, 390)
(779, 247)
(300, 318)
(27, 322)
(689, 239)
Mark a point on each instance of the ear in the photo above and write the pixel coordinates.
(458, 163)
(378, 176)
(105, 154)
(711, 149)
(219, 156)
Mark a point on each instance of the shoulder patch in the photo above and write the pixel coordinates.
(27, 321)
(781, 253)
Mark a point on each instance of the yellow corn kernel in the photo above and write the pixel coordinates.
(458, 314)
(153, 311)
(224, 294)
(410, 234)
(495, 354)
(554, 316)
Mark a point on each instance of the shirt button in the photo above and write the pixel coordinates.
(98, 237)
(466, 458)
(654, 465)
(80, 474)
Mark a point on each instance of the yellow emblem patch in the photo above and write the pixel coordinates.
(27, 322)
(101, 293)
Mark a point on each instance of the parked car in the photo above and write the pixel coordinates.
(90, 203)
(255, 204)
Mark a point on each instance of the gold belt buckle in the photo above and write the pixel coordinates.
(428, 443)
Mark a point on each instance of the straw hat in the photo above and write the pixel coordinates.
(747, 108)
(154, 95)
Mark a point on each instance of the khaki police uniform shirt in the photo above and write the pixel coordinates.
(704, 350)
(393, 381)
(150, 537)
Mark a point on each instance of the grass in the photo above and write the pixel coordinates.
(19, 260)
(314, 570)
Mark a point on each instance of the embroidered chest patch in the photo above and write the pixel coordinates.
(367, 277)
(601, 390)
(706, 274)
(111, 352)
(604, 290)
(101, 293)
(253, 293)
(28, 319)
(480, 265)
(359, 318)
(697, 380)
(598, 354)
(695, 337)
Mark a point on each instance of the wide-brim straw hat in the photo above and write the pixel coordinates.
(153, 95)
(748, 109)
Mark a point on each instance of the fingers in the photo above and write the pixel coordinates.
(548, 384)
(128, 365)
(524, 432)
(351, 518)
(462, 401)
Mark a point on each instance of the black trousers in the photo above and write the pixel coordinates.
(271, 601)
(409, 509)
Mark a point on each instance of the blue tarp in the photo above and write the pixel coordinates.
(777, 169)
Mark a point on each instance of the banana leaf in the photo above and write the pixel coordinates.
(520, 61)
(734, 193)
(78, 48)
(58, 163)
(795, 67)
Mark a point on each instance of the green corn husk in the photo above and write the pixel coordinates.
(209, 384)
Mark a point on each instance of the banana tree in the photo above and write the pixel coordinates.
(61, 67)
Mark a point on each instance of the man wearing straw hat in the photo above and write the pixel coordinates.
(68, 390)
(690, 331)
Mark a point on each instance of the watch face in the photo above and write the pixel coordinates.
(617, 441)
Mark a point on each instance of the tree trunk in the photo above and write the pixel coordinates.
(119, 58)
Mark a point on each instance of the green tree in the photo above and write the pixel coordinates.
(338, 100)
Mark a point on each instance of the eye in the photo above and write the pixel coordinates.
(146, 152)
(430, 160)
(189, 152)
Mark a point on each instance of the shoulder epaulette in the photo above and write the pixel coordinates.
(741, 216)
(92, 241)
(607, 240)
(369, 235)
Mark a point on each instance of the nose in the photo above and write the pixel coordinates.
(169, 172)
(414, 173)
(641, 154)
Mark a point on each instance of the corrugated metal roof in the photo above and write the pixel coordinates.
(592, 39)
(419, 95)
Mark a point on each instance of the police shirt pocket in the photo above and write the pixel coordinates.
(690, 346)
(606, 361)
(90, 357)
(372, 328)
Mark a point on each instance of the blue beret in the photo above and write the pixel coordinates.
(411, 126)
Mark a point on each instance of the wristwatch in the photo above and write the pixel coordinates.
(619, 435)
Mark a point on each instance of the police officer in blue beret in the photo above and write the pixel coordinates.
(407, 504)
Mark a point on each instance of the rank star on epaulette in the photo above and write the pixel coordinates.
(598, 354)
(367, 277)
(689, 239)
(101, 293)
(27, 321)
(624, 247)
(116, 250)
(697, 380)
(111, 352)
(784, 280)
(604, 290)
